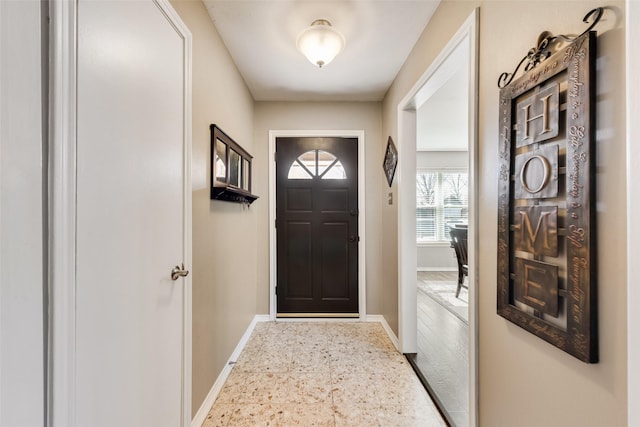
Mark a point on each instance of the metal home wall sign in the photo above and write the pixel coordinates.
(546, 204)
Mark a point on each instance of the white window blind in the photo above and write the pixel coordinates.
(441, 199)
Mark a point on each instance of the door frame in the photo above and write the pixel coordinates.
(273, 135)
(407, 249)
(61, 394)
(633, 210)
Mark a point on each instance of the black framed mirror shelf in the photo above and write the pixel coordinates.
(230, 169)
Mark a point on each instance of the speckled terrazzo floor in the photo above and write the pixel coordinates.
(322, 374)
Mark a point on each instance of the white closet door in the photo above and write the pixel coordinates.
(132, 225)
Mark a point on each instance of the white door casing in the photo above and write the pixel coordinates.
(121, 215)
(633, 209)
(406, 171)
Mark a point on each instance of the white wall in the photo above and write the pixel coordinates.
(436, 257)
(442, 119)
(523, 380)
(22, 209)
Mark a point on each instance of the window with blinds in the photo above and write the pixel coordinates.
(441, 199)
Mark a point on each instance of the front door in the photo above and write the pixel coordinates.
(133, 216)
(317, 226)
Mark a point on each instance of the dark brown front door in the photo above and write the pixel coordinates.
(317, 225)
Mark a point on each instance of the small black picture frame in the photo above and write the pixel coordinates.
(390, 161)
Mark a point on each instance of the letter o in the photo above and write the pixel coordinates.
(545, 177)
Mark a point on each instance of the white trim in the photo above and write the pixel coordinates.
(201, 416)
(407, 311)
(381, 319)
(633, 209)
(407, 248)
(473, 23)
(183, 31)
(273, 134)
(62, 221)
(436, 269)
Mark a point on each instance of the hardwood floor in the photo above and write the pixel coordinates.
(442, 356)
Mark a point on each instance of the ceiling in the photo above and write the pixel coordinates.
(261, 38)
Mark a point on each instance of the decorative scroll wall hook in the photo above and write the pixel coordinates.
(546, 42)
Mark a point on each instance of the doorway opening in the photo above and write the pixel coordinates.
(310, 163)
(317, 226)
(437, 130)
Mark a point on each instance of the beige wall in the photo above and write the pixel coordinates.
(224, 234)
(323, 116)
(519, 374)
(523, 380)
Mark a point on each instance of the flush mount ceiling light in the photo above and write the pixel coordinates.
(320, 43)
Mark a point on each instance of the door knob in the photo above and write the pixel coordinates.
(179, 271)
(354, 239)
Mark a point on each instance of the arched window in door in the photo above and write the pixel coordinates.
(317, 163)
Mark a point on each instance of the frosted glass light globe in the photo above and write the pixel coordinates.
(320, 43)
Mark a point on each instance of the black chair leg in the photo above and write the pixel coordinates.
(460, 280)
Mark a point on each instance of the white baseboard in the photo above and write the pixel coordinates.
(392, 336)
(201, 416)
(437, 268)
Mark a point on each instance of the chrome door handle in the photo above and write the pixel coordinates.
(179, 271)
